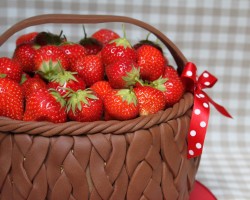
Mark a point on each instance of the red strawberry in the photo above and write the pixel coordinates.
(174, 91)
(102, 88)
(107, 117)
(90, 68)
(150, 100)
(45, 105)
(171, 85)
(47, 38)
(24, 55)
(65, 80)
(26, 38)
(49, 60)
(32, 84)
(151, 62)
(105, 35)
(148, 42)
(170, 72)
(117, 49)
(84, 106)
(11, 68)
(123, 73)
(91, 45)
(121, 104)
(73, 51)
(11, 99)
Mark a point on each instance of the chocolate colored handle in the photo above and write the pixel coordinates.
(92, 19)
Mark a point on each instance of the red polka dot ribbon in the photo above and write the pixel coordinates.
(201, 107)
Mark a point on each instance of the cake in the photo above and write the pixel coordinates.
(144, 157)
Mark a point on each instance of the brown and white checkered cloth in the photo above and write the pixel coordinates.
(213, 34)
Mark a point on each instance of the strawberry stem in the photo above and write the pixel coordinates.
(124, 31)
(147, 37)
(157, 42)
(60, 34)
(65, 38)
(140, 81)
(84, 32)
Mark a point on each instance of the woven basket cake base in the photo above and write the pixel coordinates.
(148, 163)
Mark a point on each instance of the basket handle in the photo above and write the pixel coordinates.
(92, 19)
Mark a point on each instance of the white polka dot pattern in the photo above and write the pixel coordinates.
(197, 111)
(207, 83)
(193, 133)
(189, 73)
(203, 124)
(191, 152)
(205, 105)
(198, 145)
(200, 115)
(206, 75)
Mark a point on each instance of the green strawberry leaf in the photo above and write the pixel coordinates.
(58, 97)
(122, 41)
(159, 84)
(128, 95)
(63, 77)
(132, 77)
(3, 75)
(23, 79)
(49, 69)
(78, 98)
(79, 105)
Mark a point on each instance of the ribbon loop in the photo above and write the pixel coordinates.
(201, 108)
(207, 80)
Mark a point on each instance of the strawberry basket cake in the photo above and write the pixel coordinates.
(99, 118)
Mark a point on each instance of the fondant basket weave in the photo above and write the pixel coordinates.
(143, 158)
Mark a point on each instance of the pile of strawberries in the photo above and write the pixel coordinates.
(102, 77)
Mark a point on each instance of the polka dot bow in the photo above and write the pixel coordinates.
(201, 108)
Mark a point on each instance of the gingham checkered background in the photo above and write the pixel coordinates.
(213, 34)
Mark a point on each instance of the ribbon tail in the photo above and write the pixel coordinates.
(219, 108)
(198, 126)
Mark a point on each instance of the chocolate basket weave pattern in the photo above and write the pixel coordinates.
(143, 158)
